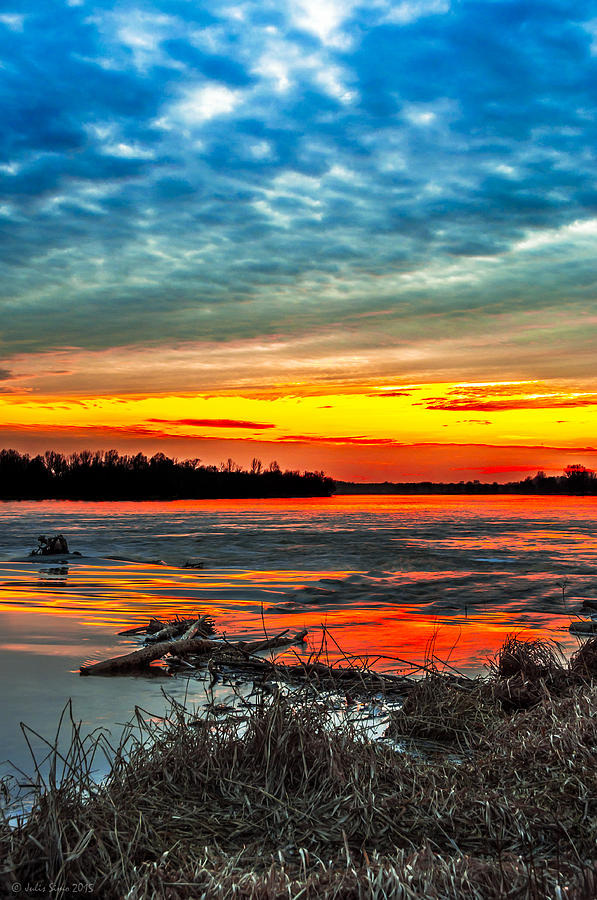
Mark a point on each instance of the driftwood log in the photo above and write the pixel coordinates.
(176, 629)
(140, 659)
(157, 630)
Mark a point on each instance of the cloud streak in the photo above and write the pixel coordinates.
(213, 423)
(482, 399)
(342, 439)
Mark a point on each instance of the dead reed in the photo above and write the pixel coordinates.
(532, 659)
(298, 803)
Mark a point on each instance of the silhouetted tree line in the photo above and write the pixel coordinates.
(576, 479)
(107, 475)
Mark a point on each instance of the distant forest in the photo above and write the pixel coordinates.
(106, 475)
(576, 479)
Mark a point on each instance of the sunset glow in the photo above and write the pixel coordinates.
(484, 429)
(338, 236)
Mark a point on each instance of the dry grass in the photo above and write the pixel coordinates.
(584, 662)
(300, 804)
(445, 709)
(531, 659)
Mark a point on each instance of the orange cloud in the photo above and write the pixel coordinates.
(498, 398)
(327, 439)
(501, 470)
(473, 422)
(391, 394)
(213, 423)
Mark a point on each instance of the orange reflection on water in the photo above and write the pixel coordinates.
(392, 639)
(79, 615)
(382, 571)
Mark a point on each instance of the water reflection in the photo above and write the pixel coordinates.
(383, 574)
(378, 615)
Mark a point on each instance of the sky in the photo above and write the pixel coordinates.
(351, 236)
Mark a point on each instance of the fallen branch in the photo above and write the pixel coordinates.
(348, 679)
(140, 659)
(584, 627)
(197, 628)
(276, 642)
(156, 630)
(174, 629)
(153, 626)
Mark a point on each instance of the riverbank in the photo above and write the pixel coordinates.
(481, 787)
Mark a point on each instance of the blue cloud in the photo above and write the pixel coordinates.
(175, 172)
(217, 68)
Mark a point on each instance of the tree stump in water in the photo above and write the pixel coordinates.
(50, 546)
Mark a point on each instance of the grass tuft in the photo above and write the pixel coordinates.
(530, 659)
(584, 661)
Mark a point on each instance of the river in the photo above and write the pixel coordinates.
(385, 574)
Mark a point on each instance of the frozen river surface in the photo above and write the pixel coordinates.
(382, 572)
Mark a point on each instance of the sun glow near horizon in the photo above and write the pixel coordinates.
(376, 422)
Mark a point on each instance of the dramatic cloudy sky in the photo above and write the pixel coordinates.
(358, 236)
